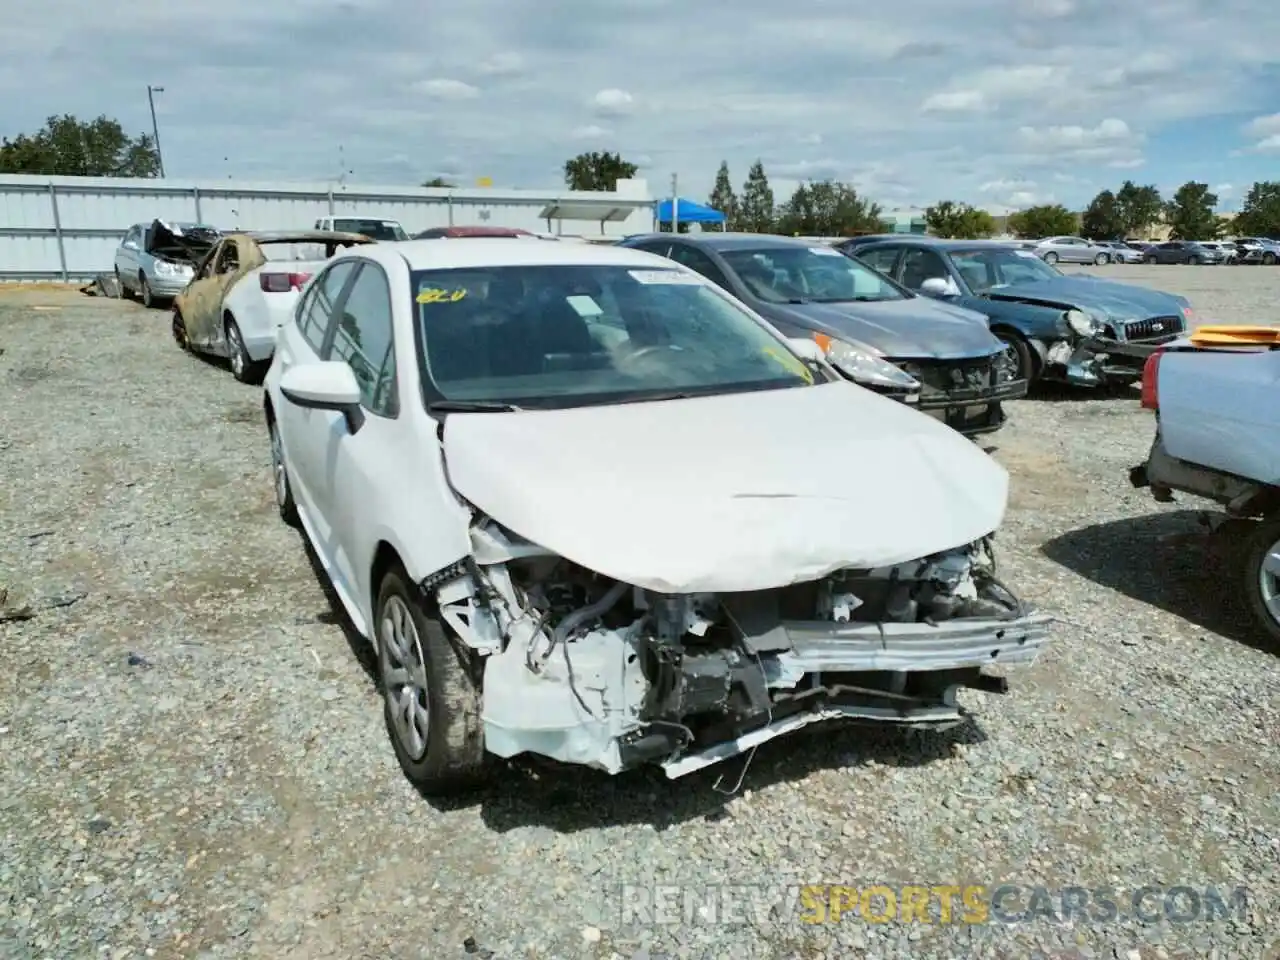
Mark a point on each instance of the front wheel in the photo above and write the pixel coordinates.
(1050, 257)
(1269, 258)
(1260, 578)
(144, 292)
(280, 477)
(431, 698)
(180, 330)
(1018, 353)
(1193, 261)
(1102, 258)
(1148, 259)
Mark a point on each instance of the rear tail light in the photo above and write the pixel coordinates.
(282, 282)
(1151, 382)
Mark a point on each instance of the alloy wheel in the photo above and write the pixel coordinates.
(235, 350)
(278, 474)
(404, 677)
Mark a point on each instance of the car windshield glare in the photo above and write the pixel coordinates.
(987, 269)
(808, 275)
(572, 335)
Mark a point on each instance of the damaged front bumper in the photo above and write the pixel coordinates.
(967, 396)
(1095, 361)
(590, 671)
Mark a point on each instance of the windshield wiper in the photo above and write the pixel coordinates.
(471, 406)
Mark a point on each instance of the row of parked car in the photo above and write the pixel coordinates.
(610, 504)
(1247, 250)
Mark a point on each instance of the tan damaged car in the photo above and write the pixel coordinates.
(245, 287)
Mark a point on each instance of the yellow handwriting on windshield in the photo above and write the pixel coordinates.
(436, 295)
(792, 363)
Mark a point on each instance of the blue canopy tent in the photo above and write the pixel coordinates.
(686, 211)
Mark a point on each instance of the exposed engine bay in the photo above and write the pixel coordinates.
(588, 670)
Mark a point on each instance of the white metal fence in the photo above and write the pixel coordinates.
(67, 228)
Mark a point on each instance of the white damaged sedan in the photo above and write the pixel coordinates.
(587, 505)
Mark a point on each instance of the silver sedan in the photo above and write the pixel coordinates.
(1072, 250)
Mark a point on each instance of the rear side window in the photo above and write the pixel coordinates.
(314, 311)
(880, 259)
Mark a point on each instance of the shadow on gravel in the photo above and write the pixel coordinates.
(1052, 392)
(1168, 560)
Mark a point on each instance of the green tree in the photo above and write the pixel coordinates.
(1138, 208)
(439, 182)
(1045, 220)
(958, 221)
(755, 209)
(828, 209)
(1190, 214)
(1259, 214)
(67, 147)
(723, 198)
(1102, 219)
(597, 171)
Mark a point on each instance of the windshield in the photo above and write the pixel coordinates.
(373, 229)
(571, 335)
(808, 275)
(992, 268)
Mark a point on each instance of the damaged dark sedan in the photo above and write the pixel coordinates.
(938, 357)
(1076, 328)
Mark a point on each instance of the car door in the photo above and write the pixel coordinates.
(363, 336)
(304, 432)
(126, 264)
(198, 302)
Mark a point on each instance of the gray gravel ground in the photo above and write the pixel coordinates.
(193, 759)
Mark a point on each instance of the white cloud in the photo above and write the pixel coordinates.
(912, 102)
(446, 89)
(613, 103)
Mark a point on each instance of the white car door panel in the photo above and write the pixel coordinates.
(304, 432)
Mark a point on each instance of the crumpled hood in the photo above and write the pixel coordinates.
(1108, 299)
(918, 328)
(740, 492)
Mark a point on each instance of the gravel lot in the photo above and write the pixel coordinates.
(194, 762)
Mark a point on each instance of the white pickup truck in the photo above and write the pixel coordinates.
(1215, 396)
(375, 228)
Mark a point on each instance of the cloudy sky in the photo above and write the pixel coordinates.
(997, 102)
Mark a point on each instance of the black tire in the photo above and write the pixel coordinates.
(243, 367)
(280, 476)
(1102, 258)
(452, 757)
(1050, 257)
(1193, 261)
(179, 327)
(1149, 258)
(1269, 258)
(1264, 536)
(1020, 351)
(144, 291)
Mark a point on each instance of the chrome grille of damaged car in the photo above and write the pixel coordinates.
(1152, 328)
(943, 377)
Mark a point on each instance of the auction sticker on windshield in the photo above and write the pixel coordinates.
(436, 295)
(825, 252)
(666, 276)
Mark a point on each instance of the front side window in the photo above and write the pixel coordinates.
(573, 335)
(363, 338)
(808, 275)
(987, 269)
(315, 309)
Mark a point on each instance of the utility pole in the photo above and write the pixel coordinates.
(675, 203)
(155, 130)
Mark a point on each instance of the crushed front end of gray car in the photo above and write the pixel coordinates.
(588, 670)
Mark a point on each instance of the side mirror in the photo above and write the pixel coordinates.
(326, 385)
(808, 350)
(939, 287)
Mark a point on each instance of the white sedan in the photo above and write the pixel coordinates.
(587, 505)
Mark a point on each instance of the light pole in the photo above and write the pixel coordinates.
(155, 130)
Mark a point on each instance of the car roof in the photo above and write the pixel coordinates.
(945, 243)
(301, 236)
(438, 253)
(729, 241)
